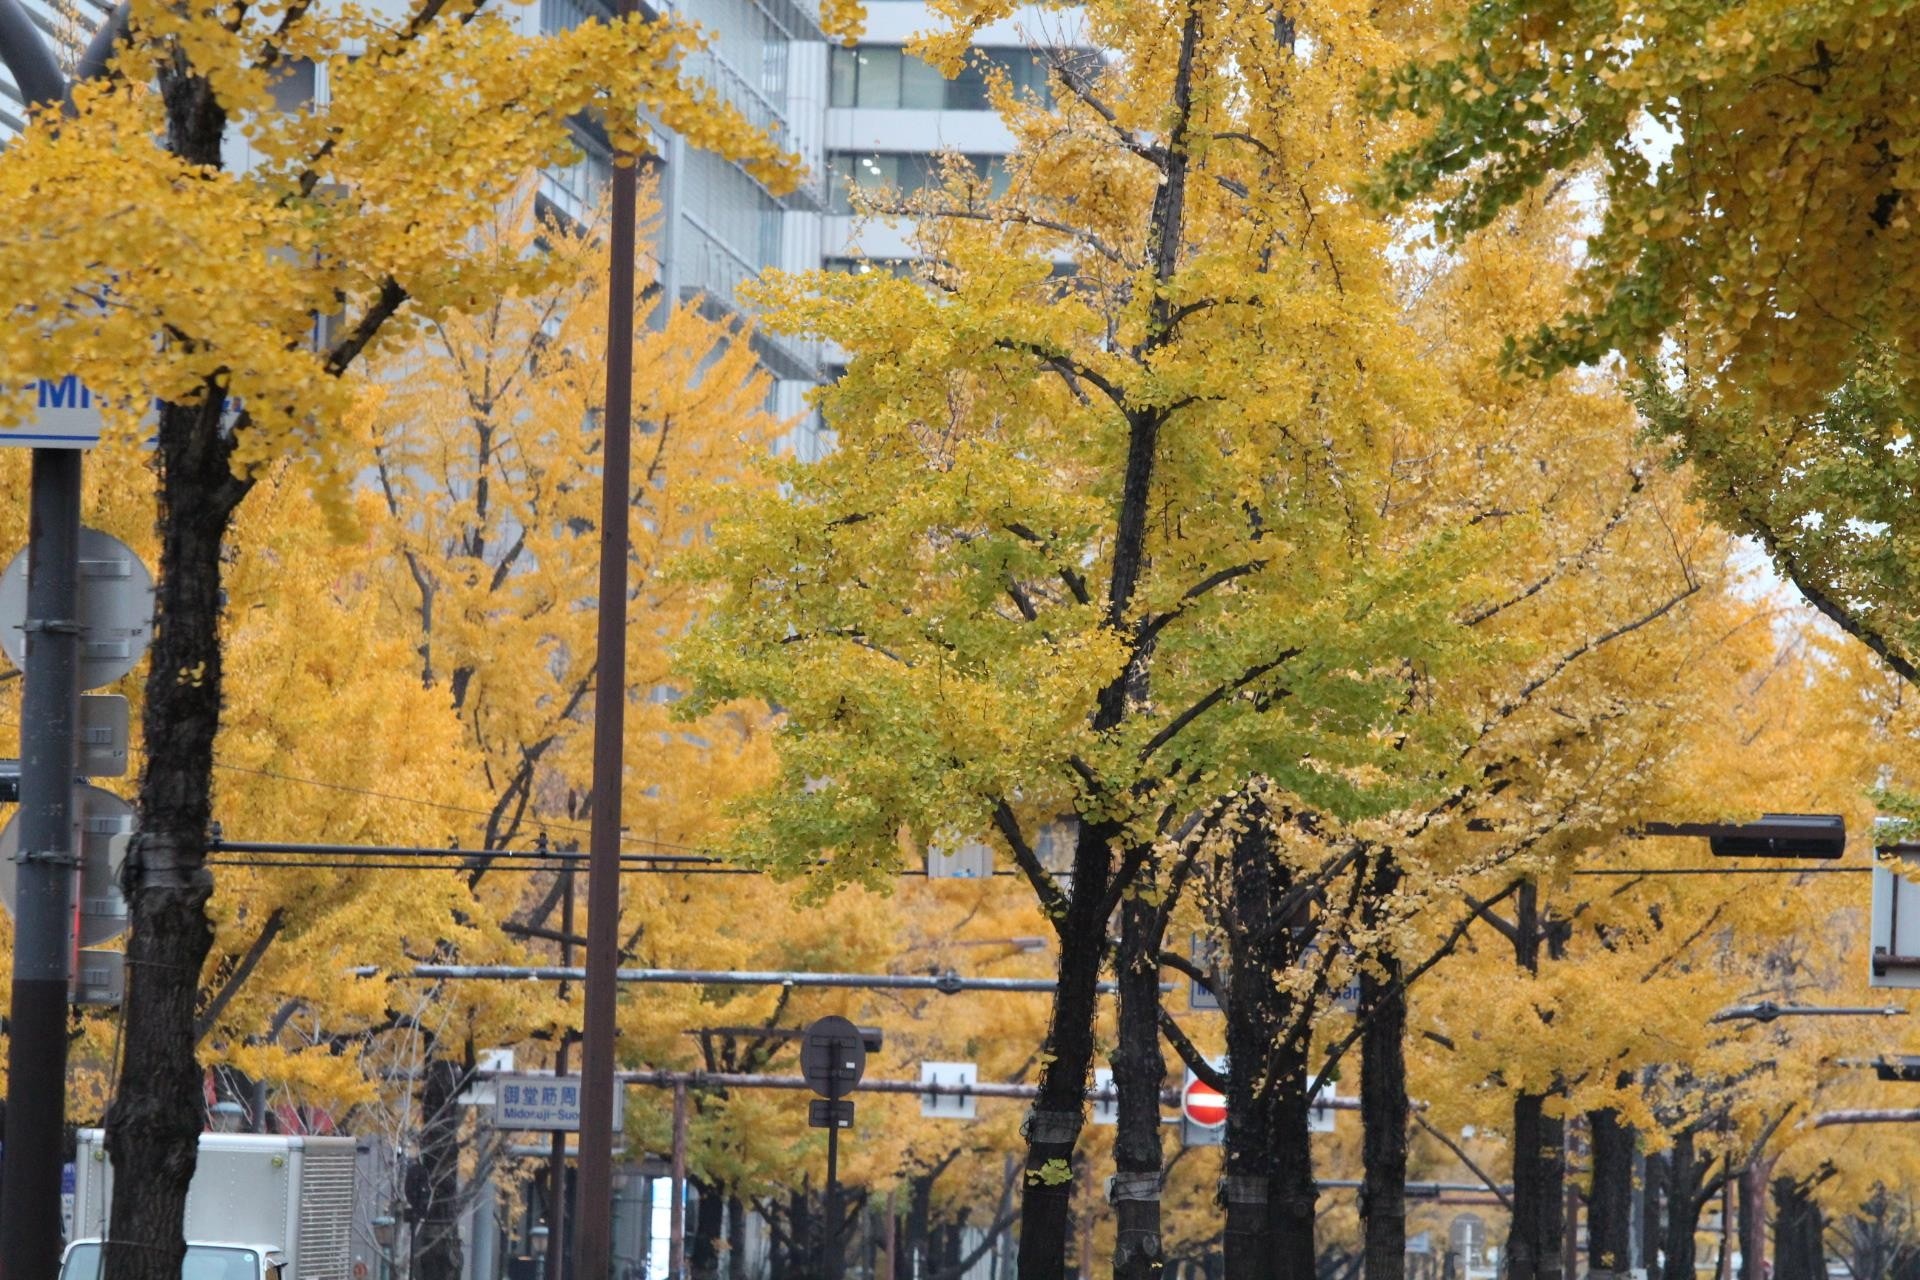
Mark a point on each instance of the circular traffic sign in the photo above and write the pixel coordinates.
(833, 1056)
(114, 608)
(1203, 1105)
(103, 821)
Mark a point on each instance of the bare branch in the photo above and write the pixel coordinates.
(1052, 901)
(241, 972)
(1195, 1060)
(1212, 699)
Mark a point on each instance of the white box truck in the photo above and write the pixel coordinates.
(260, 1207)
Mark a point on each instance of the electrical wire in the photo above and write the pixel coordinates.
(1724, 871)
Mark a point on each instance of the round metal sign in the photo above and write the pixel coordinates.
(114, 610)
(104, 823)
(1203, 1104)
(833, 1057)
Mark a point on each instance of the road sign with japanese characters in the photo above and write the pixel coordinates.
(540, 1102)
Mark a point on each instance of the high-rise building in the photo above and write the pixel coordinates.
(890, 116)
(67, 26)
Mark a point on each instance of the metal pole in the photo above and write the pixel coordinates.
(557, 1163)
(593, 1232)
(945, 983)
(1570, 1238)
(831, 1262)
(677, 1211)
(42, 938)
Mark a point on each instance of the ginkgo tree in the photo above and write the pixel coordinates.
(1753, 254)
(135, 261)
(1098, 544)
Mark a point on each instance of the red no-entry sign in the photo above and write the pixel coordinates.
(1203, 1105)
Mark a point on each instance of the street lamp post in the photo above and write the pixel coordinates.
(1767, 1011)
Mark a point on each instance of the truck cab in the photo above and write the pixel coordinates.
(86, 1260)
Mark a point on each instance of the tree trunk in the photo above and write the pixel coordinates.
(1652, 1214)
(436, 1249)
(1383, 1090)
(1256, 949)
(1535, 1241)
(1053, 1125)
(1610, 1200)
(1799, 1233)
(153, 1126)
(1539, 1190)
(1684, 1203)
(915, 1263)
(736, 1239)
(805, 1247)
(1290, 1206)
(1139, 1074)
(709, 1222)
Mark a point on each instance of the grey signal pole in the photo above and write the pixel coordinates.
(37, 1016)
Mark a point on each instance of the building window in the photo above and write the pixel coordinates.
(905, 173)
(888, 77)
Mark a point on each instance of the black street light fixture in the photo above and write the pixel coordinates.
(1775, 835)
(1767, 1011)
(1901, 1068)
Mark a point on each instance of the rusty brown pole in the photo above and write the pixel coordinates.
(677, 1211)
(593, 1208)
(557, 1162)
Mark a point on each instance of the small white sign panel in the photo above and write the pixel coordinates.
(971, 861)
(1105, 1110)
(542, 1102)
(1320, 1111)
(65, 416)
(1894, 935)
(104, 734)
(949, 1106)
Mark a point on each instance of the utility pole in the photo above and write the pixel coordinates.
(593, 1231)
(557, 1163)
(37, 1015)
(49, 707)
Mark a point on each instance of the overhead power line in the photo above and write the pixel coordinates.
(372, 857)
(948, 983)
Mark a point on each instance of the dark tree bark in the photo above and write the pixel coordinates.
(1383, 1089)
(1053, 1125)
(1799, 1232)
(1685, 1198)
(1535, 1241)
(1653, 1215)
(915, 1262)
(778, 1267)
(1539, 1190)
(736, 1239)
(707, 1227)
(436, 1248)
(1257, 947)
(1610, 1201)
(805, 1246)
(153, 1126)
(1139, 1075)
(1292, 1196)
